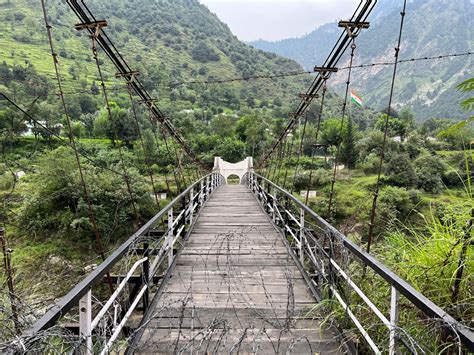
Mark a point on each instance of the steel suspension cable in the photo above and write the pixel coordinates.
(341, 128)
(181, 166)
(279, 164)
(288, 158)
(142, 142)
(373, 212)
(157, 142)
(318, 128)
(177, 169)
(300, 151)
(126, 176)
(92, 219)
(276, 160)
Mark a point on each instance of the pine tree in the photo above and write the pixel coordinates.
(349, 154)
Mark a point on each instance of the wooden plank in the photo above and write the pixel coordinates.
(235, 275)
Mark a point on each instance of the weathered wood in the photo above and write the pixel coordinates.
(235, 288)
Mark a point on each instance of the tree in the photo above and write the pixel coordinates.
(400, 171)
(407, 119)
(223, 125)
(395, 125)
(395, 204)
(118, 126)
(433, 125)
(349, 153)
(55, 204)
(331, 134)
(230, 149)
(78, 129)
(429, 170)
(251, 129)
(87, 103)
(458, 135)
(203, 52)
(95, 89)
(372, 142)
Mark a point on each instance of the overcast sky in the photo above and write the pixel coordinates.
(277, 19)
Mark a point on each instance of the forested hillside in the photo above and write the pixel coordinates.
(432, 28)
(168, 41)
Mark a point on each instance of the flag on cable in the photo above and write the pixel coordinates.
(356, 98)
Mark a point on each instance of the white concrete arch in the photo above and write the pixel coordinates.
(227, 169)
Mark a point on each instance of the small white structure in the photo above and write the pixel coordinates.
(227, 169)
(19, 174)
(310, 193)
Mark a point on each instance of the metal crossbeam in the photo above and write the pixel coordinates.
(325, 70)
(130, 76)
(353, 27)
(308, 97)
(94, 26)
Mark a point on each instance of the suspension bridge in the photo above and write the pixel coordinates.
(237, 268)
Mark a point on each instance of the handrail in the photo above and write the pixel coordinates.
(114, 296)
(424, 304)
(72, 298)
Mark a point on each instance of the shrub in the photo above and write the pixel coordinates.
(56, 204)
(204, 53)
(429, 171)
(371, 163)
(400, 171)
(395, 204)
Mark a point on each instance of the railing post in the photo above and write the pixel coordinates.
(395, 296)
(206, 196)
(285, 218)
(302, 239)
(268, 195)
(201, 194)
(274, 206)
(191, 205)
(169, 237)
(146, 276)
(85, 320)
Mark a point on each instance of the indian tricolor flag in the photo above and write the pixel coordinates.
(356, 98)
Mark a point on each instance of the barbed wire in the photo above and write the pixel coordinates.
(306, 72)
(119, 87)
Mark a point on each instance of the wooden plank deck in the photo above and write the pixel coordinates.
(235, 289)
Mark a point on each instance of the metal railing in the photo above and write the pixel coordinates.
(150, 251)
(327, 259)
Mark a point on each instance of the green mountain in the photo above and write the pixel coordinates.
(168, 41)
(432, 28)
